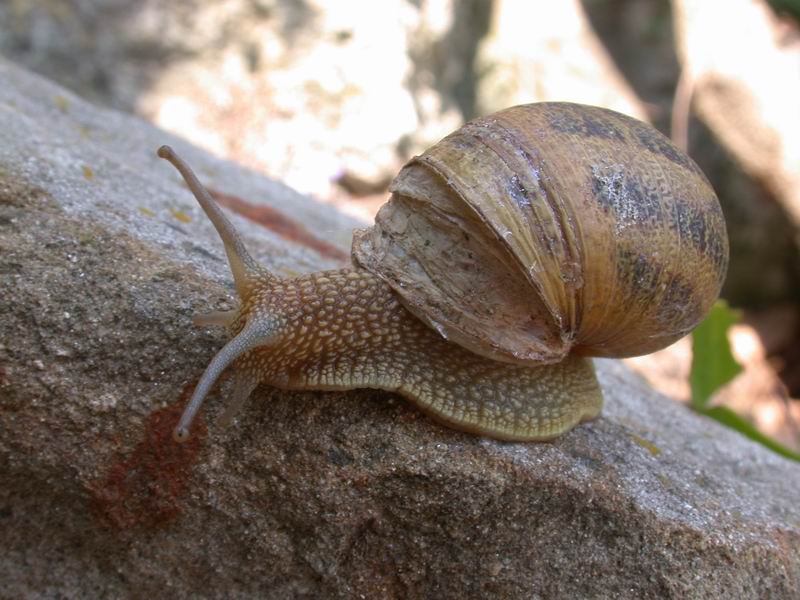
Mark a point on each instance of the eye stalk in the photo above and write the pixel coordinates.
(254, 334)
(244, 268)
(245, 271)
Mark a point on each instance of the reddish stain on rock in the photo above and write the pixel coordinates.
(280, 224)
(146, 488)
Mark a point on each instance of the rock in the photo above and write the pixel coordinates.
(104, 258)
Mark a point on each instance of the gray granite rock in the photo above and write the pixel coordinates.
(103, 260)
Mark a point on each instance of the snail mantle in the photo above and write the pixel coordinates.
(103, 263)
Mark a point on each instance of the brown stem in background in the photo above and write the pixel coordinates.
(681, 106)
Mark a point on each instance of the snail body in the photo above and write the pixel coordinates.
(508, 252)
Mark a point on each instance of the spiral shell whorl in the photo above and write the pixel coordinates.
(552, 227)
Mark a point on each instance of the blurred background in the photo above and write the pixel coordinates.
(333, 96)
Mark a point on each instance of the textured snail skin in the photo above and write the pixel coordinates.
(346, 329)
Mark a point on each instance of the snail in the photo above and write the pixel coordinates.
(508, 254)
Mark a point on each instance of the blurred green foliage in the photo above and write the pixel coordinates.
(788, 7)
(713, 366)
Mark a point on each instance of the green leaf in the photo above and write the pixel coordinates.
(727, 417)
(713, 364)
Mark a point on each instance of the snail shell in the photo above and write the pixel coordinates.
(551, 228)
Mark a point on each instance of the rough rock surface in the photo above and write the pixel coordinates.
(103, 260)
